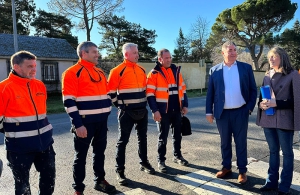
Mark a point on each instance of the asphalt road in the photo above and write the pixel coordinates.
(201, 149)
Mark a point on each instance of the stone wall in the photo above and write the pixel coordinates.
(196, 77)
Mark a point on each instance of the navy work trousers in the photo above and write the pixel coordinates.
(167, 119)
(126, 123)
(44, 162)
(97, 137)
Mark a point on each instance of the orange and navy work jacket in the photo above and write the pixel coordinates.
(161, 85)
(23, 117)
(127, 86)
(85, 93)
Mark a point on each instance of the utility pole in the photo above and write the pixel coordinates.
(14, 26)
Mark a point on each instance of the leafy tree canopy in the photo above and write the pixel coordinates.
(25, 13)
(116, 31)
(252, 23)
(55, 26)
(290, 41)
(181, 52)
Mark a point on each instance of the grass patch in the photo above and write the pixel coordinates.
(55, 103)
(196, 93)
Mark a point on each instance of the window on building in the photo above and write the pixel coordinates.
(50, 71)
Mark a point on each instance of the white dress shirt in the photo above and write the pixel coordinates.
(233, 95)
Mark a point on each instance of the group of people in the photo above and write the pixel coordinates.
(88, 97)
(231, 98)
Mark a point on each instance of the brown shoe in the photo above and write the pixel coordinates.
(242, 178)
(223, 173)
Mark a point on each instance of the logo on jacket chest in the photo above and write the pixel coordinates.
(40, 94)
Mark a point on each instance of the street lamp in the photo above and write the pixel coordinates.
(14, 26)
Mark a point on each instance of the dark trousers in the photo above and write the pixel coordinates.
(125, 126)
(234, 122)
(167, 119)
(280, 139)
(44, 163)
(97, 137)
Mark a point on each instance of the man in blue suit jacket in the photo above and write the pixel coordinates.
(231, 97)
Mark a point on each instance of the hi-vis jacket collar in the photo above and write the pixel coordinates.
(86, 63)
(159, 66)
(19, 80)
(129, 63)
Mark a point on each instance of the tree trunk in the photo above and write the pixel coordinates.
(255, 63)
(254, 57)
(88, 34)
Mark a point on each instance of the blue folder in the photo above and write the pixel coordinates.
(266, 94)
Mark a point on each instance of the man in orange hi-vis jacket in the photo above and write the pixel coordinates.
(23, 120)
(127, 85)
(85, 97)
(167, 99)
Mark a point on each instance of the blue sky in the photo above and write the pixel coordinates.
(167, 16)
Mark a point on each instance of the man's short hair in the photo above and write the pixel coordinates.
(20, 56)
(84, 46)
(161, 52)
(127, 46)
(228, 43)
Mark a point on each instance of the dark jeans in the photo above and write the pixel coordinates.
(125, 126)
(278, 138)
(234, 122)
(97, 135)
(44, 162)
(167, 119)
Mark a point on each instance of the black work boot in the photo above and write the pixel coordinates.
(104, 186)
(180, 160)
(162, 167)
(146, 167)
(122, 180)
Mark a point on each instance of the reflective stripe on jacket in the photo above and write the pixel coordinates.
(23, 115)
(127, 85)
(85, 93)
(159, 89)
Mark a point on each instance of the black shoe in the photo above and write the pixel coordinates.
(162, 167)
(180, 160)
(122, 180)
(104, 186)
(146, 167)
(282, 193)
(266, 188)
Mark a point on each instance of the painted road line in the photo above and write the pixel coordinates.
(204, 182)
(137, 191)
(260, 168)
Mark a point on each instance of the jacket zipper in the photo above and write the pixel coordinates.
(177, 82)
(161, 72)
(137, 81)
(36, 113)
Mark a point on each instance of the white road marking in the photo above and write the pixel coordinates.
(137, 191)
(204, 182)
(260, 169)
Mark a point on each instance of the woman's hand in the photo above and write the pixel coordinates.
(267, 103)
